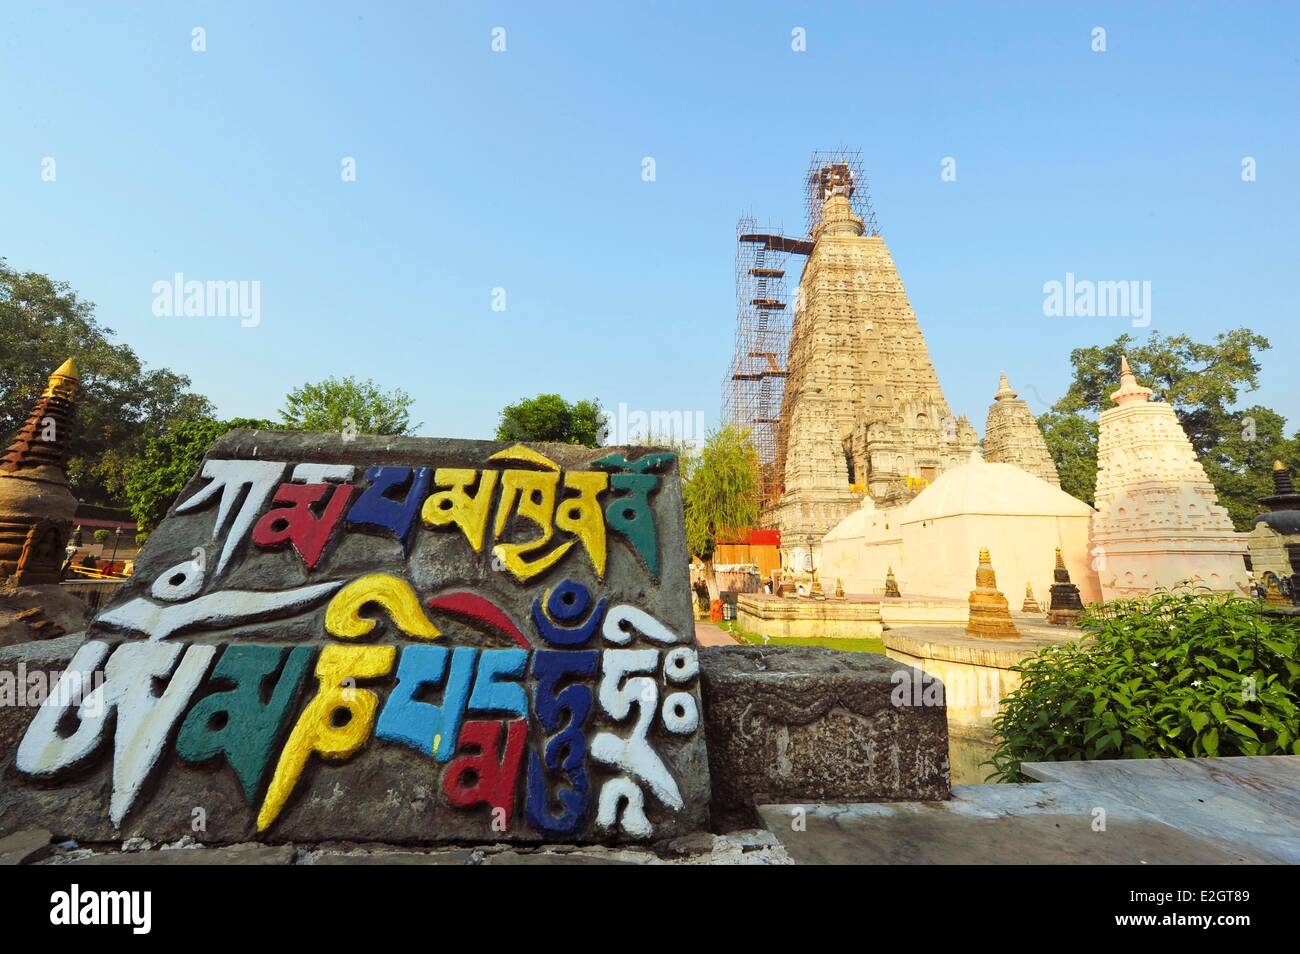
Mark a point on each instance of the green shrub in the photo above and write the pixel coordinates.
(141, 539)
(102, 535)
(1168, 676)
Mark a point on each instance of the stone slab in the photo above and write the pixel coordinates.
(458, 857)
(24, 846)
(799, 723)
(1238, 810)
(986, 824)
(1247, 802)
(317, 645)
(517, 858)
(249, 854)
(808, 618)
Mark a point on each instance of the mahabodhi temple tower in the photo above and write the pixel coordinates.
(862, 410)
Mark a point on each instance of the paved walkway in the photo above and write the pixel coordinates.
(1236, 810)
(710, 634)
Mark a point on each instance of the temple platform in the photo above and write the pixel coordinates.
(976, 675)
(929, 633)
(808, 618)
(849, 617)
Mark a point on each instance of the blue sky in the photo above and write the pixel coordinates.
(522, 170)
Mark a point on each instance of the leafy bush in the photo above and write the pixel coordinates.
(141, 539)
(101, 535)
(1168, 676)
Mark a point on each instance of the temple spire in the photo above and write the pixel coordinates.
(1004, 392)
(838, 217)
(1129, 389)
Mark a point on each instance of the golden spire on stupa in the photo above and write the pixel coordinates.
(63, 382)
(42, 441)
(37, 509)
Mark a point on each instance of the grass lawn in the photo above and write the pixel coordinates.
(849, 645)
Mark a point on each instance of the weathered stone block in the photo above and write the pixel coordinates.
(339, 637)
(795, 724)
(23, 847)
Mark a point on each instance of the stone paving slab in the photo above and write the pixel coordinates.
(1247, 803)
(246, 854)
(24, 846)
(745, 847)
(1048, 823)
(455, 857)
(1164, 811)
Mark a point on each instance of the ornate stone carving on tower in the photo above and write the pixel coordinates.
(863, 411)
(1011, 436)
(1158, 523)
(36, 506)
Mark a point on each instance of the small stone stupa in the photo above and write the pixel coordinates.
(1065, 607)
(36, 506)
(1030, 604)
(1158, 523)
(990, 616)
(891, 584)
(1277, 533)
(1011, 436)
(1273, 595)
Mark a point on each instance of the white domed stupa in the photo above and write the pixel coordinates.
(933, 542)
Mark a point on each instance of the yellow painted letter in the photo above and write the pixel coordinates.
(318, 729)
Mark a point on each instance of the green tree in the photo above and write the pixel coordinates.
(329, 404)
(1240, 465)
(171, 460)
(550, 418)
(722, 496)
(1202, 382)
(120, 403)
